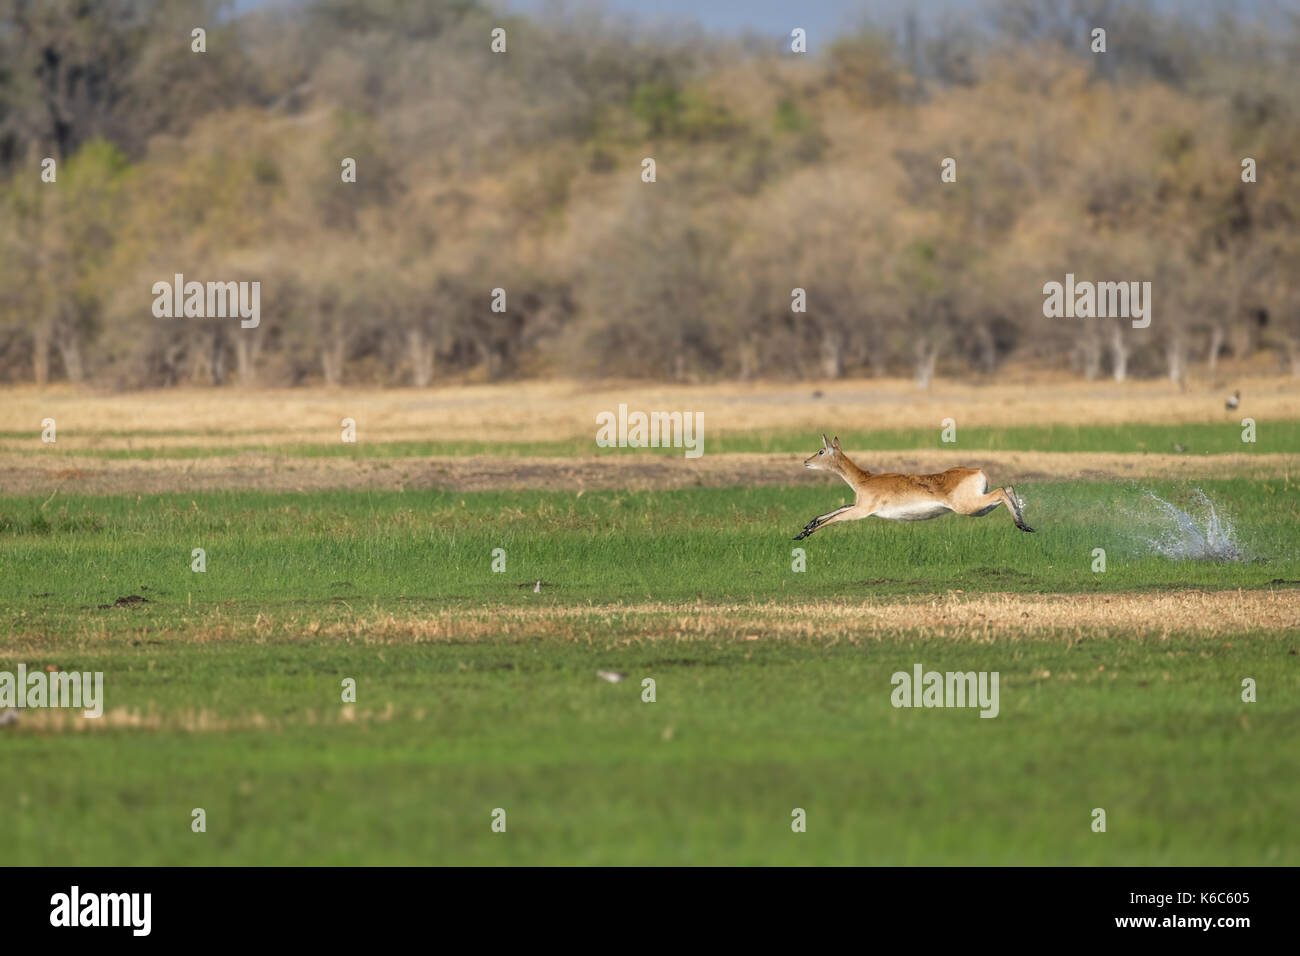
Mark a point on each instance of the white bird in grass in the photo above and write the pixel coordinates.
(612, 676)
(1232, 403)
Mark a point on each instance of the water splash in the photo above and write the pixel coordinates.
(1182, 536)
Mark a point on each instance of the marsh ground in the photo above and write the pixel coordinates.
(1120, 689)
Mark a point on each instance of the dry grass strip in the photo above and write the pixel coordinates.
(952, 616)
(560, 411)
(71, 720)
(29, 474)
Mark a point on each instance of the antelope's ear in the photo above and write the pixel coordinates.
(836, 443)
(825, 443)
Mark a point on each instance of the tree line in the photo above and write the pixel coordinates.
(800, 223)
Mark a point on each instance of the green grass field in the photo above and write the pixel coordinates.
(712, 543)
(708, 773)
(1197, 438)
(475, 693)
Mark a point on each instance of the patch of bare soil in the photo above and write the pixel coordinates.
(130, 600)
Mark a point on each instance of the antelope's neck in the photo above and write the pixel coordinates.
(850, 472)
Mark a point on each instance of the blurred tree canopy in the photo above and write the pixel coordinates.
(522, 171)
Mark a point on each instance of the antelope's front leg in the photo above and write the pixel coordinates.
(821, 520)
(808, 529)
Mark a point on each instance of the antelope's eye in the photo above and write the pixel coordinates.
(822, 452)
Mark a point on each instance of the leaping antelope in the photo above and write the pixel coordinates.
(908, 497)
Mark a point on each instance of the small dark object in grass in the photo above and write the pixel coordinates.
(129, 601)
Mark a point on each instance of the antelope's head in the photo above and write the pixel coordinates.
(826, 458)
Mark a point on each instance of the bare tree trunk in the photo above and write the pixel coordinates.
(246, 350)
(170, 361)
(832, 354)
(420, 350)
(926, 356)
(331, 359)
(41, 352)
(1119, 352)
(1216, 346)
(201, 359)
(1091, 349)
(1176, 357)
(208, 366)
(749, 359)
(218, 357)
(1245, 338)
(70, 349)
(489, 357)
(988, 351)
(876, 353)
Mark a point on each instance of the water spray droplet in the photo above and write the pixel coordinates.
(1184, 537)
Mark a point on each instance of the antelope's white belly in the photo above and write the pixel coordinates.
(912, 511)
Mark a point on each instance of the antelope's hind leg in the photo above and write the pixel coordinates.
(978, 505)
(1013, 503)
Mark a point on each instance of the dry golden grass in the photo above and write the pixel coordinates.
(72, 475)
(952, 616)
(557, 411)
(530, 411)
(1212, 617)
(28, 474)
(59, 721)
